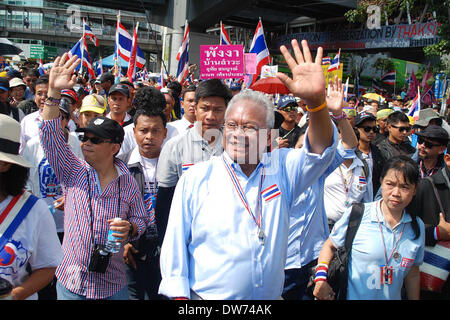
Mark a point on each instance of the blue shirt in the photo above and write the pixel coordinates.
(211, 244)
(308, 223)
(368, 253)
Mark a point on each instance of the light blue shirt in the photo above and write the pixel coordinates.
(367, 255)
(308, 223)
(211, 244)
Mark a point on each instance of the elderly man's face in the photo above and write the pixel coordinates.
(245, 133)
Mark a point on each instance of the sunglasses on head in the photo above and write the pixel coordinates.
(94, 140)
(369, 128)
(429, 145)
(401, 129)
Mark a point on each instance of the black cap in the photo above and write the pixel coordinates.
(363, 116)
(4, 84)
(120, 87)
(435, 132)
(107, 76)
(104, 127)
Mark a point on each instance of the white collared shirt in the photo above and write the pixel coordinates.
(181, 125)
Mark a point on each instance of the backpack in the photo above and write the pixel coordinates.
(338, 268)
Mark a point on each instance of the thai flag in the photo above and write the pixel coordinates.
(186, 166)
(271, 192)
(183, 56)
(87, 31)
(131, 73)
(80, 50)
(362, 180)
(389, 78)
(375, 84)
(259, 47)
(124, 44)
(335, 64)
(144, 74)
(99, 67)
(326, 60)
(41, 68)
(415, 106)
(436, 266)
(224, 38)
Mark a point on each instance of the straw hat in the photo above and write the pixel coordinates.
(10, 141)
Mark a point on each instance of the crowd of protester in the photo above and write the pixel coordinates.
(223, 192)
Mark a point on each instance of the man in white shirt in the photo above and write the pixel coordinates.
(188, 104)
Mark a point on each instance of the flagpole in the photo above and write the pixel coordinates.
(82, 50)
(118, 64)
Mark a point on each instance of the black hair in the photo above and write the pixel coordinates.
(149, 112)
(13, 181)
(31, 73)
(175, 87)
(410, 171)
(213, 88)
(191, 88)
(149, 98)
(42, 80)
(397, 116)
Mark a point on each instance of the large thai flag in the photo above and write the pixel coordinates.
(131, 73)
(80, 50)
(87, 31)
(389, 78)
(183, 56)
(335, 64)
(224, 38)
(415, 106)
(259, 47)
(124, 44)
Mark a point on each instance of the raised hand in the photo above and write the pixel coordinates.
(61, 74)
(308, 81)
(335, 98)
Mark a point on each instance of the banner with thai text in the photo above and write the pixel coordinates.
(221, 62)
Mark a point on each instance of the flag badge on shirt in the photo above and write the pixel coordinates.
(186, 166)
(270, 193)
(362, 180)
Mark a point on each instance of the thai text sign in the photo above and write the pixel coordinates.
(221, 62)
(391, 36)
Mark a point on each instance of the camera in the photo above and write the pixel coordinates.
(99, 259)
(147, 242)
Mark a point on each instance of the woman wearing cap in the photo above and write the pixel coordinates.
(30, 249)
(16, 91)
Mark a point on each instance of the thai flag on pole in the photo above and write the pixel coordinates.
(335, 64)
(415, 106)
(80, 50)
(224, 38)
(88, 33)
(41, 67)
(183, 56)
(131, 74)
(124, 43)
(389, 78)
(99, 67)
(435, 267)
(259, 47)
(326, 60)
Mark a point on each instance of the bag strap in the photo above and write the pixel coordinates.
(353, 224)
(438, 198)
(18, 213)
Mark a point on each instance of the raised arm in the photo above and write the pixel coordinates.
(308, 83)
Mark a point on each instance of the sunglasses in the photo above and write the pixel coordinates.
(94, 140)
(401, 129)
(367, 129)
(288, 109)
(427, 144)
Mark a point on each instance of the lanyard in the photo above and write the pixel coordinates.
(240, 192)
(384, 245)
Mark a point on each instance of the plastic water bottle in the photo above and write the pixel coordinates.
(51, 207)
(112, 245)
(5, 289)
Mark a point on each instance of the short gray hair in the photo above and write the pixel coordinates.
(260, 99)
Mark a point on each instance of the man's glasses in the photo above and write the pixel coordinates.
(248, 129)
(402, 129)
(288, 109)
(94, 140)
(428, 144)
(367, 129)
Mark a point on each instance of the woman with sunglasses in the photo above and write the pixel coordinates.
(397, 142)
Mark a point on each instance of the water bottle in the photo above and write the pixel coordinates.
(5, 289)
(51, 207)
(112, 245)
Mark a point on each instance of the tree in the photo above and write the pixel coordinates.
(384, 65)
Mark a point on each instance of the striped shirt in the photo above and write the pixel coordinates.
(82, 186)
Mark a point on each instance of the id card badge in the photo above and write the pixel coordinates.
(387, 274)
